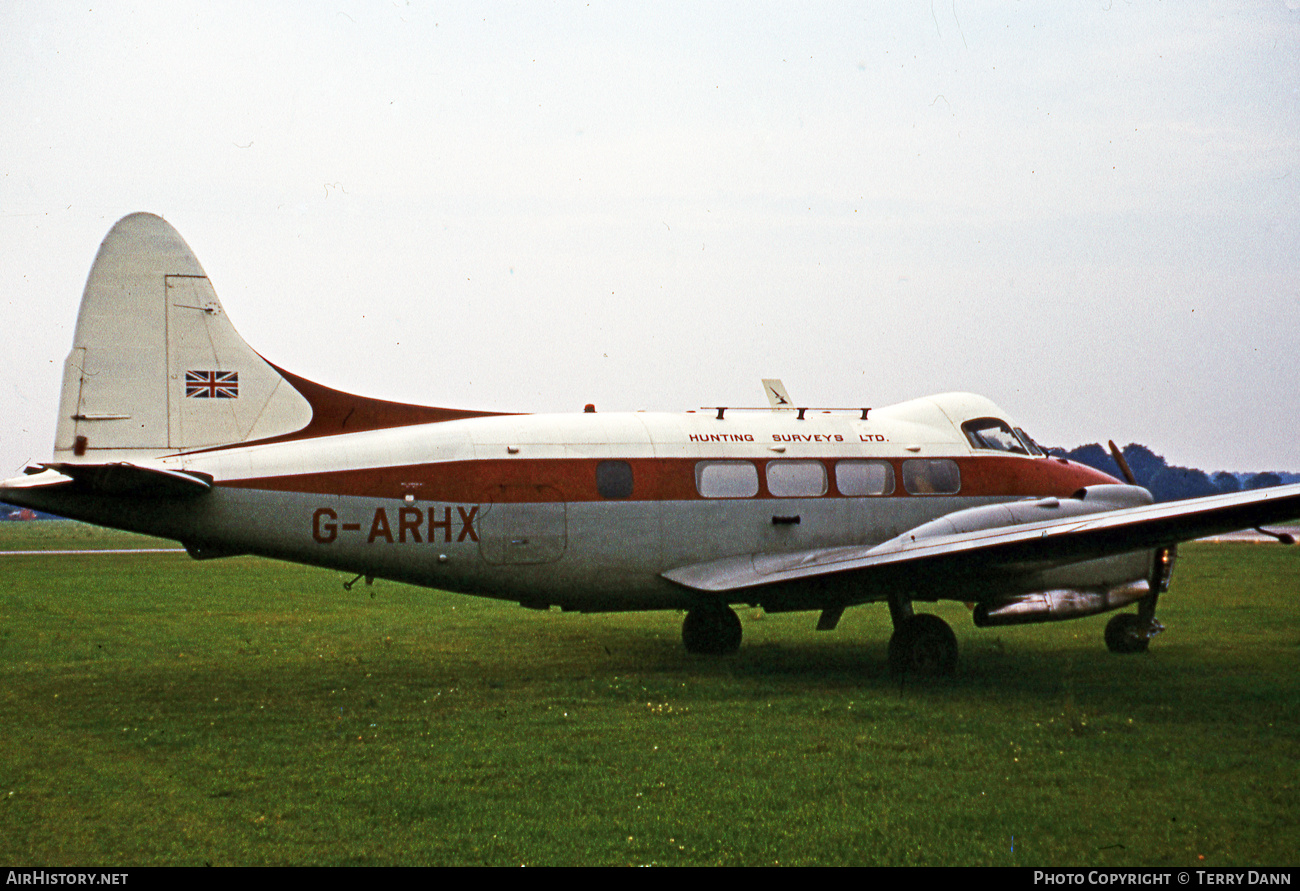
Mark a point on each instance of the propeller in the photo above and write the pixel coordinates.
(1123, 465)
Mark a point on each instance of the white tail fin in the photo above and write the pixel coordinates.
(156, 367)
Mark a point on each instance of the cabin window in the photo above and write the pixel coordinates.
(864, 477)
(726, 479)
(931, 476)
(614, 479)
(796, 479)
(990, 433)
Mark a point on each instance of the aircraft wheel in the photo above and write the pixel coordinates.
(923, 645)
(711, 632)
(1127, 633)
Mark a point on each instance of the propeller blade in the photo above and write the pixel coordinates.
(1123, 465)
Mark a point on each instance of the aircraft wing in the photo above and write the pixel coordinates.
(949, 561)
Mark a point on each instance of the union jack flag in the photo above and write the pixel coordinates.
(212, 384)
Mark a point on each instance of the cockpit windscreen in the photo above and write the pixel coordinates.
(997, 435)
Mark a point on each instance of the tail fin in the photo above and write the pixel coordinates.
(156, 366)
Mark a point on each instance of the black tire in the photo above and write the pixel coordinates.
(923, 645)
(711, 632)
(1127, 633)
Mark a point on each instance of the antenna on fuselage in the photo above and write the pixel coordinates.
(776, 394)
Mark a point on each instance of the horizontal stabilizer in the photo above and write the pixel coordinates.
(33, 479)
(129, 479)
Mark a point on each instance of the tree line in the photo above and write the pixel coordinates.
(1169, 482)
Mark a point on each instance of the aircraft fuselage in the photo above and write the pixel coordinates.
(585, 510)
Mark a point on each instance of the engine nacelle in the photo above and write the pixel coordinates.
(1089, 500)
(1059, 604)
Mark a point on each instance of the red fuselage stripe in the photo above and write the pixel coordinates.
(654, 479)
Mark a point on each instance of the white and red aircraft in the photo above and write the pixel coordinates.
(171, 425)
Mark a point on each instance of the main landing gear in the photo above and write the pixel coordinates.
(711, 631)
(922, 644)
(1129, 633)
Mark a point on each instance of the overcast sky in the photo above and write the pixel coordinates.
(1088, 212)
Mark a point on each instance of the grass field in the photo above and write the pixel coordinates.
(161, 711)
